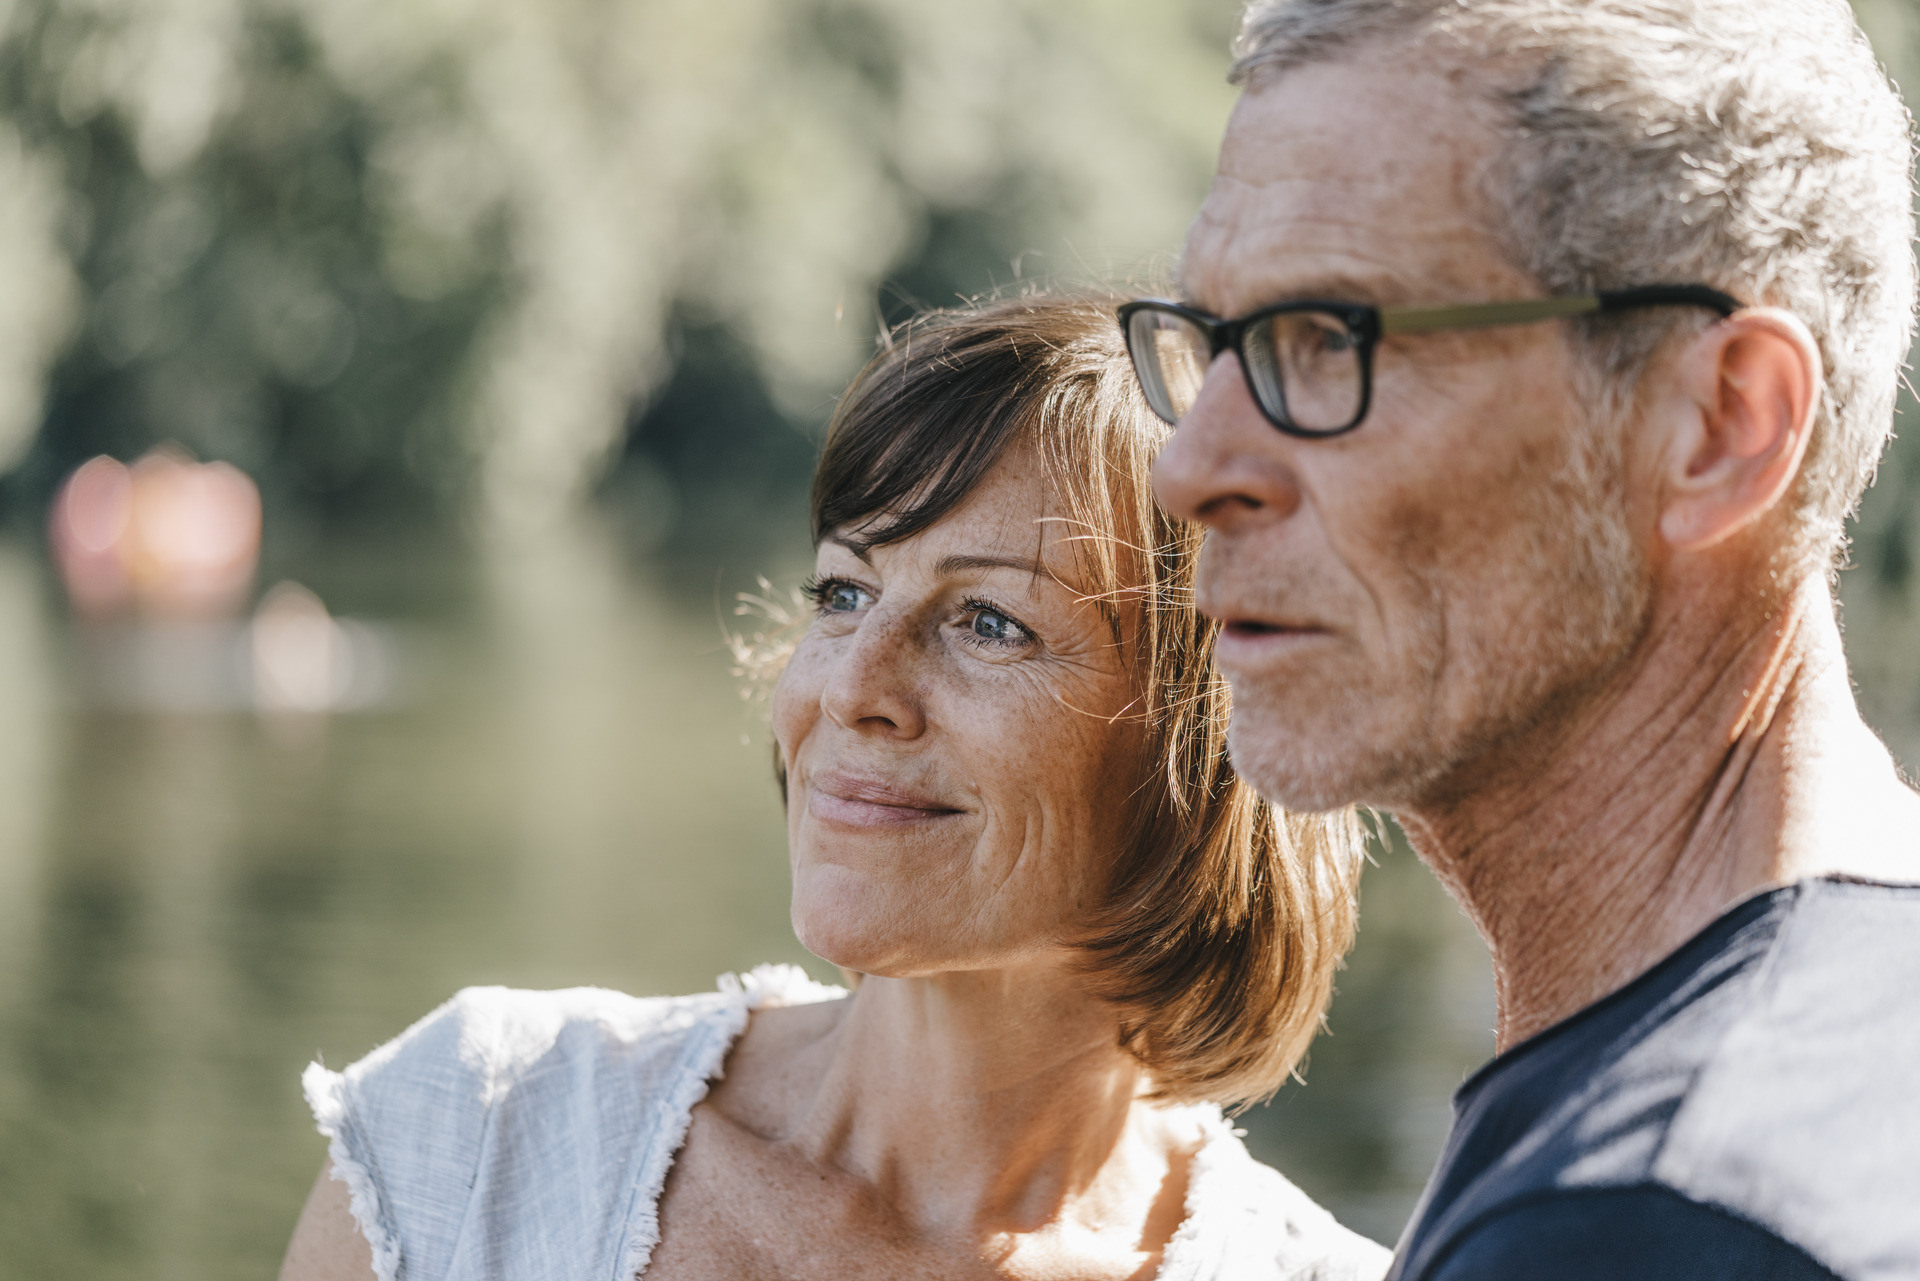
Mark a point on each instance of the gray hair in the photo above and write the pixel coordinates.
(1754, 145)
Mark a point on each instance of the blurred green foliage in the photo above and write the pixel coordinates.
(463, 259)
(234, 301)
(475, 262)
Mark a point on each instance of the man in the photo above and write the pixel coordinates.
(1552, 584)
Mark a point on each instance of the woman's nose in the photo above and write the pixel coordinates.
(872, 686)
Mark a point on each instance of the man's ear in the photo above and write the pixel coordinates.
(1747, 389)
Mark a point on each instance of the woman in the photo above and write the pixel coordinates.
(1009, 810)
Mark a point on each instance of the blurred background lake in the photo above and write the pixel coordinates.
(450, 366)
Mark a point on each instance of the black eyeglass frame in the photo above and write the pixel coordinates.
(1368, 324)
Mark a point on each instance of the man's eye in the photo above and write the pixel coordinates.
(1323, 338)
(1336, 340)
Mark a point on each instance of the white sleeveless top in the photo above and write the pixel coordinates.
(517, 1135)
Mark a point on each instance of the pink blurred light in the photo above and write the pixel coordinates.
(167, 536)
(90, 519)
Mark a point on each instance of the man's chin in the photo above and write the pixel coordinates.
(1311, 771)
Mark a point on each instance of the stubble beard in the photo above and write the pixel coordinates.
(1458, 698)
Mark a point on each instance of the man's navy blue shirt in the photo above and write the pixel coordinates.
(1749, 1108)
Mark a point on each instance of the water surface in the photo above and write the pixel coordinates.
(570, 791)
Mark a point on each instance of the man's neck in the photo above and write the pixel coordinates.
(1721, 763)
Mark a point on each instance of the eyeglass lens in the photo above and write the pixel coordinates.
(1304, 366)
(1170, 354)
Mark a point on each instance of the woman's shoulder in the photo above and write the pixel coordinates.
(515, 1098)
(475, 1049)
(1246, 1219)
(491, 1036)
(485, 1041)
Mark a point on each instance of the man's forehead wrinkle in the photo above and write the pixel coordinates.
(1291, 226)
(1390, 194)
(1329, 252)
(1252, 259)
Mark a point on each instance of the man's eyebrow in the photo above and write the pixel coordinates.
(1373, 290)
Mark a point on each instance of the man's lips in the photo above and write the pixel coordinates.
(1246, 637)
(864, 801)
(1254, 628)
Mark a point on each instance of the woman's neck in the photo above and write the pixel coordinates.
(978, 1104)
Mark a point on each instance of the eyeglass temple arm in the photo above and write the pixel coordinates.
(1420, 320)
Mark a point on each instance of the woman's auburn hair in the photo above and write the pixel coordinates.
(1225, 918)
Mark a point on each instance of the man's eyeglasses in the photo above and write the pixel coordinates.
(1309, 364)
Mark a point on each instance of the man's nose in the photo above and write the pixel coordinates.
(1226, 463)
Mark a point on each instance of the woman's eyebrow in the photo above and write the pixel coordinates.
(959, 564)
(863, 553)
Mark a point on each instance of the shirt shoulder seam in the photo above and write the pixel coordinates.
(1526, 1201)
(1765, 973)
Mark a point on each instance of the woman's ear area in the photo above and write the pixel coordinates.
(1738, 417)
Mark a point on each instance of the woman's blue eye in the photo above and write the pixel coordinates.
(985, 622)
(836, 596)
(992, 625)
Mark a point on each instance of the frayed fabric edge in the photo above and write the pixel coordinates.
(776, 983)
(761, 987)
(326, 1096)
(1194, 1249)
(676, 1110)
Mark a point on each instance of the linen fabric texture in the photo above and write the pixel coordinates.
(516, 1134)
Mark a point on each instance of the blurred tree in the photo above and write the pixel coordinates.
(217, 205)
(472, 258)
(427, 257)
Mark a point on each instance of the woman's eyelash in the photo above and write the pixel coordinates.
(816, 587)
(820, 590)
(974, 606)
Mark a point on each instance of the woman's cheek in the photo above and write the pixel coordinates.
(795, 704)
(1052, 753)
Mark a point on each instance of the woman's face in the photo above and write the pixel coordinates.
(958, 746)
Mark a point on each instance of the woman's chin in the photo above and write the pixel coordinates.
(884, 940)
(850, 946)
(885, 926)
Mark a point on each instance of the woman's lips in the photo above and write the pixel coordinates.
(870, 802)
